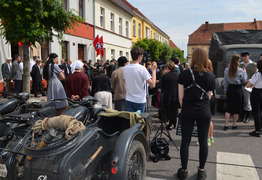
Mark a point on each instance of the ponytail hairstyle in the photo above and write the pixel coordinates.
(259, 66)
(233, 66)
(46, 67)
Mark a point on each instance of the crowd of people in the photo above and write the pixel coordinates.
(172, 85)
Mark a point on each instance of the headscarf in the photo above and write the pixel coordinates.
(76, 65)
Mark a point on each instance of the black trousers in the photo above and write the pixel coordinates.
(256, 103)
(169, 113)
(35, 86)
(17, 88)
(8, 85)
(186, 129)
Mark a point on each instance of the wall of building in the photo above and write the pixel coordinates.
(138, 20)
(112, 39)
(192, 47)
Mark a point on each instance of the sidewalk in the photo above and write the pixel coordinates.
(37, 99)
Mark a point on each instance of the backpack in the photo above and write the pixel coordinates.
(194, 84)
(46, 70)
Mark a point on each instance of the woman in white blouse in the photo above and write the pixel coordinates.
(256, 99)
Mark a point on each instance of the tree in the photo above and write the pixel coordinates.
(32, 21)
(176, 52)
(158, 50)
(166, 52)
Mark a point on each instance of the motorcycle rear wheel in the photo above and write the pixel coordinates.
(136, 162)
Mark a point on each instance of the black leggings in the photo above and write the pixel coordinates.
(187, 125)
(256, 102)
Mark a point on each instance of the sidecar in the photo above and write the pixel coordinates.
(111, 148)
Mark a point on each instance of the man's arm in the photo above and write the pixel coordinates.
(152, 81)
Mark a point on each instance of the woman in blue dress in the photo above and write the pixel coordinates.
(55, 88)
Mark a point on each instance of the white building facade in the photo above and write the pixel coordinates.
(113, 22)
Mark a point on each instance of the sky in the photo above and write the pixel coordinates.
(180, 18)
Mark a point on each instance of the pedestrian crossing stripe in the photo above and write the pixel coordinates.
(233, 166)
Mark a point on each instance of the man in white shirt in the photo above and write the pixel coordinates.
(251, 68)
(136, 76)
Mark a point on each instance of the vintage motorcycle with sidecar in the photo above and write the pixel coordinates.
(12, 157)
(113, 147)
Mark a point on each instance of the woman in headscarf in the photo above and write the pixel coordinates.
(55, 88)
(76, 84)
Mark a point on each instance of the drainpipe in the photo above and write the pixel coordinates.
(94, 22)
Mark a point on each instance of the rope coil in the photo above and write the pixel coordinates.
(68, 123)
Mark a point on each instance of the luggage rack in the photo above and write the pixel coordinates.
(21, 118)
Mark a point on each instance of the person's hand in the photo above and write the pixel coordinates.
(77, 97)
(153, 66)
(244, 69)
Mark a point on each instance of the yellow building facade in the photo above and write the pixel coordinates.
(142, 28)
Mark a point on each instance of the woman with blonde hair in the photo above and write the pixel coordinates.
(233, 77)
(195, 86)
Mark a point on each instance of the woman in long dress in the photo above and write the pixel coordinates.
(55, 88)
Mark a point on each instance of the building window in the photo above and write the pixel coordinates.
(157, 37)
(81, 8)
(139, 30)
(102, 17)
(147, 32)
(151, 35)
(81, 52)
(112, 22)
(112, 54)
(120, 26)
(127, 55)
(65, 4)
(127, 33)
(120, 53)
(65, 54)
(154, 35)
(45, 50)
(134, 27)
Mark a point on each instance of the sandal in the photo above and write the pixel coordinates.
(234, 127)
(225, 128)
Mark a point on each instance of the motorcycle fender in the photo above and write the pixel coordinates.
(122, 147)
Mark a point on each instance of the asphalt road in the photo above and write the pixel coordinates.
(234, 154)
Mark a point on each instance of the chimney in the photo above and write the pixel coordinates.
(255, 23)
(206, 23)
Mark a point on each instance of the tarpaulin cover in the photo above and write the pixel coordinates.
(240, 36)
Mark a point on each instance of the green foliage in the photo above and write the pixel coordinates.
(166, 52)
(32, 21)
(175, 52)
(35, 20)
(158, 50)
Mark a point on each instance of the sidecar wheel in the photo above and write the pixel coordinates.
(136, 162)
